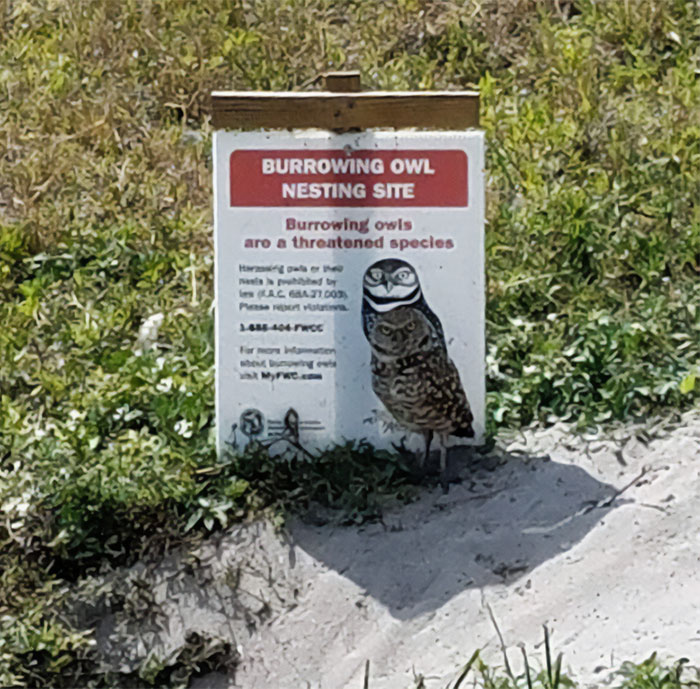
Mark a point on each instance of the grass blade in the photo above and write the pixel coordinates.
(548, 655)
(503, 646)
(557, 671)
(465, 669)
(527, 667)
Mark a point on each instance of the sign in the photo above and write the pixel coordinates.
(349, 287)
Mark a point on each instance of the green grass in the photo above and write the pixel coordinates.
(648, 674)
(592, 117)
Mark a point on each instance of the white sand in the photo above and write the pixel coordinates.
(615, 577)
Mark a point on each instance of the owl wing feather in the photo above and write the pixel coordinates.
(460, 411)
(444, 403)
(423, 307)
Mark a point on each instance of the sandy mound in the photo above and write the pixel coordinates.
(598, 539)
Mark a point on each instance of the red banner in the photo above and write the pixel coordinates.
(362, 178)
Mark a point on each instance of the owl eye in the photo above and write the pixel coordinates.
(404, 276)
(385, 330)
(375, 275)
(411, 326)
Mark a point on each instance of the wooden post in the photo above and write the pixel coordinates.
(343, 107)
(343, 82)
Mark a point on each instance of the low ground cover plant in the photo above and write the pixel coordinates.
(106, 346)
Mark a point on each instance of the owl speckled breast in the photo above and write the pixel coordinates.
(405, 388)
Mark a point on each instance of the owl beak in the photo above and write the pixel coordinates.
(387, 285)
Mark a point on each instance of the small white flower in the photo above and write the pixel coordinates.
(148, 332)
(73, 417)
(120, 412)
(183, 428)
(17, 507)
(165, 385)
(160, 362)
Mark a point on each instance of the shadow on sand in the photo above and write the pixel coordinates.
(509, 515)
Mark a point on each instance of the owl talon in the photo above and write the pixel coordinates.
(401, 447)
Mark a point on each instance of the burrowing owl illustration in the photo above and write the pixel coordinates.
(412, 373)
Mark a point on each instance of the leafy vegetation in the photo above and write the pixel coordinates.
(593, 252)
(649, 674)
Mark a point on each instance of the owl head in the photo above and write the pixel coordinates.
(400, 332)
(389, 283)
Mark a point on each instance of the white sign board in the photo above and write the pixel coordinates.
(349, 287)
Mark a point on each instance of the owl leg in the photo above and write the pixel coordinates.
(428, 435)
(443, 462)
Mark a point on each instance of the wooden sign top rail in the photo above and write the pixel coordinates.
(345, 110)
